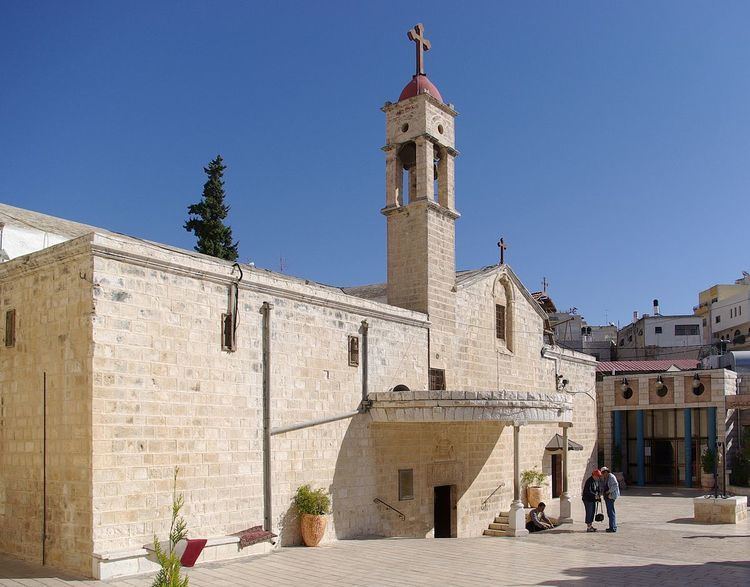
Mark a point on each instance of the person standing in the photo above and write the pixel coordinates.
(611, 493)
(591, 496)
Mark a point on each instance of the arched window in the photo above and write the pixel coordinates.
(502, 295)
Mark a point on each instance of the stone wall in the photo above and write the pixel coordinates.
(51, 294)
(166, 395)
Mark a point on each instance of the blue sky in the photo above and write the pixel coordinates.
(609, 142)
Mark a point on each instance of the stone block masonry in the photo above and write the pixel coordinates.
(166, 394)
(45, 449)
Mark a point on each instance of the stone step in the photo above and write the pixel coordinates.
(501, 519)
(496, 533)
(500, 526)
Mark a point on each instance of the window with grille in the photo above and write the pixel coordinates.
(10, 328)
(657, 330)
(500, 321)
(686, 330)
(353, 351)
(437, 379)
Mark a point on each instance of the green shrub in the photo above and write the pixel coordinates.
(740, 471)
(708, 461)
(533, 478)
(169, 573)
(312, 501)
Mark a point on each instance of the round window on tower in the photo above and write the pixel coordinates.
(440, 128)
(405, 127)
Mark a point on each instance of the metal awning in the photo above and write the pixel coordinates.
(556, 444)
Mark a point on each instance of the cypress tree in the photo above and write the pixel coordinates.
(207, 216)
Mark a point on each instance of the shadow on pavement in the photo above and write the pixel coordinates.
(15, 569)
(725, 573)
(718, 536)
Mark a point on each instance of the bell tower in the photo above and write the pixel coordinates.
(420, 205)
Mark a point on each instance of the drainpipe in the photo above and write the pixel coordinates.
(266, 311)
(365, 373)
(44, 471)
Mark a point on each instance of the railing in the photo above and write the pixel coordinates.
(390, 507)
(483, 507)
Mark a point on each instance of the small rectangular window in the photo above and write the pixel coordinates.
(10, 328)
(405, 484)
(686, 330)
(657, 330)
(500, 321)
(437, 379)
(228, 338)
(353, 351)
(718, 319)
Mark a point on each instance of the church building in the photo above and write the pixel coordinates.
(416, 403)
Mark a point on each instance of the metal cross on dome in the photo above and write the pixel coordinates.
(417, 35)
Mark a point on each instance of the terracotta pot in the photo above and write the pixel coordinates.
(707, 480)
(313, 528)
(533, 495)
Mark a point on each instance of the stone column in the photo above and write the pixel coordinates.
(565, 505)
(425, 170)
(446, 180)
(640, 425)
(688, 414)
(517, 515)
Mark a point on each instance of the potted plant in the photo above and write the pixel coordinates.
(708, 464)
(313, 505)
(533, 479)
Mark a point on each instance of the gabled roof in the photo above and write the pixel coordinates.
(464, 278)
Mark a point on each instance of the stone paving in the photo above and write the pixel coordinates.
(657, 544)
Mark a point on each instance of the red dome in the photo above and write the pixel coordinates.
(419, 84)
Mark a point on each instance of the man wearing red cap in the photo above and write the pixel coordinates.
(591, 496)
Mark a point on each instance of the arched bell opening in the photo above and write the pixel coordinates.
(407, 176)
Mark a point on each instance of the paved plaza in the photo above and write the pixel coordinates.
(657, 544)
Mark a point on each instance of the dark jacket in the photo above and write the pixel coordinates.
(591, 490)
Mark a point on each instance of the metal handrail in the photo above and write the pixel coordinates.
(483, 507)
(400, 514)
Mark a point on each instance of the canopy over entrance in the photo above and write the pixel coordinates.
(556, 444)
(511, 407)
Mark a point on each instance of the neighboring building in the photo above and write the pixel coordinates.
(660, 337)
(739, 362)
(660, 416)
(724, 310)
(123, 359)
(572, 331)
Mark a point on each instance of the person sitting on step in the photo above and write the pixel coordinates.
(538, 519)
